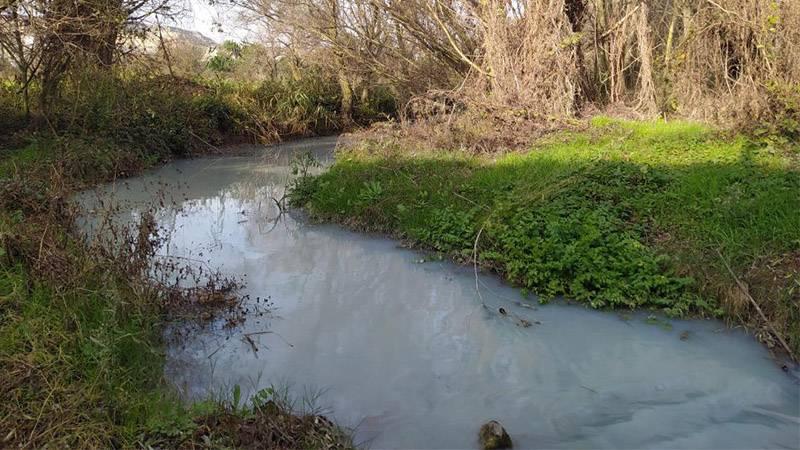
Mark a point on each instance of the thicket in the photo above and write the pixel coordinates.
(503, 63)
(163, 116)
(516, 64)
(106, 70)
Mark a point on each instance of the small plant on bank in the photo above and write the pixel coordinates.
(370, 193)
(302, 185)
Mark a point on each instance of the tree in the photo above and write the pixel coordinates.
(45, 38)
(23, 51)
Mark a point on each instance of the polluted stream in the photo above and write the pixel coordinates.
(399, 347)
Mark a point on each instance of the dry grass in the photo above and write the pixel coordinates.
(732, 50)
(270, 427)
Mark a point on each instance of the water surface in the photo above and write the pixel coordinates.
(406, 353)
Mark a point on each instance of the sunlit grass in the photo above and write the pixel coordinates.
(624, 214)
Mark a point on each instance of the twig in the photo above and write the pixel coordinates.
(41, 411)
(471, 201)
(279, 203)
(721, 8)
(455, 46)
(258, 333)
(248, 340)
(215, 351)
(193, 134)
(41, 242)
(744, 290)
(475, 264)
(621, 21)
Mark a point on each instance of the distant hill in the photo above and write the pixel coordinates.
(172, 36)
(188, 36)
(148, 41)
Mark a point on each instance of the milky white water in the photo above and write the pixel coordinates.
(406, 354)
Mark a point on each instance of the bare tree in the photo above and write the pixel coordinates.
(45, 38)
(23, 51)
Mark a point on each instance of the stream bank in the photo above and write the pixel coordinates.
(81, 327)
(401, 347)
(674, 217)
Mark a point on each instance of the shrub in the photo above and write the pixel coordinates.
(309, 105)
(780, 121)
(12, 112)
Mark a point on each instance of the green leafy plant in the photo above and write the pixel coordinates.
(237, 398)
(371, 192)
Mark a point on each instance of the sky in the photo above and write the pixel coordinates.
(205, 18)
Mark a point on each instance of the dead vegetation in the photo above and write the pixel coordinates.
(775, 283)
(270, 426)
(545, 61)
(514, 70)
(81, 316)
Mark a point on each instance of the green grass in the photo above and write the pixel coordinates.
(623, 215)
(81, 348)
(80, 352)
(82, 368)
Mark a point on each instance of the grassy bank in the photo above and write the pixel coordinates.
(81, 347)
(81, 322)
(619, 215)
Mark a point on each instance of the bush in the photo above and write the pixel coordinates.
(12, 109)
(780, 122)
(309, 105)
(380, 103)
(162, 115)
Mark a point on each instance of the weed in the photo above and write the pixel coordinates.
(371, 192)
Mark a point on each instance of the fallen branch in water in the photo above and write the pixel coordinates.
(519, 321)
(258, 333)
(475, 265)
(746, 292)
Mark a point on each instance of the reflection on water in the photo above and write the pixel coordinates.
(405, 352)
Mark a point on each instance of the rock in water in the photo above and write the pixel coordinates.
(493, 436)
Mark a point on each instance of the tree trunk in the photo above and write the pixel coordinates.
(108, 45)
(574, 10)
(647, 89)
(347, 98)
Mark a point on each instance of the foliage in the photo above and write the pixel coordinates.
(623, 215)
(780, 122)
(12, 112)
(302, 184)
(299, 106)
(165, 117)
(380, 104)
(220, 63)
(79, 332)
